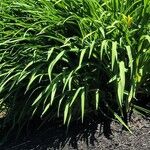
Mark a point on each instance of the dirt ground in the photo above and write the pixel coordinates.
(92, 135)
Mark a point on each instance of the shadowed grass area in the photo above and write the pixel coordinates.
(68, 58)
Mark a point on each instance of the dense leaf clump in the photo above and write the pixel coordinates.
(67, 58)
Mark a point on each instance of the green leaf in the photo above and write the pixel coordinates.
(51, 50)
(88, 35)
(131, 93)
(121, 83)
(138, 108)
(51, 87)
(104, 45)
(83, 51)
(24, 70)
(129, 52)
(69, 119)
(97, 98)
(75, 95)
(102, 31)
(122, 122)
(32, 79)
(58, 57)
(67, 80)
(66, 112)
(53, 92)
(46, 108)
(60, 101)
(91, 48)
(2, 85)
(114, 55)
(82, 103)
(113, 79)
(38, 99)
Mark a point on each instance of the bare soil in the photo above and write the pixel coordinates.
(94, 134)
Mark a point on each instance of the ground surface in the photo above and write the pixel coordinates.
(93, 135)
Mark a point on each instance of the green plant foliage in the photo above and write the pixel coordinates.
(66, 56)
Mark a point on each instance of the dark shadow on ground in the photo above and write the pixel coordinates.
(80, 136)
(56, 136)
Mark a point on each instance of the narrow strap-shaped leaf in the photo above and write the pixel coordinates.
(53, 92)
(66, 81)
(82, 103)
(69, 79)
(88, 35)
(103, 47)
(50, 52)
(114, 55)
(75, 95)
(60, 101)
(46, 108)
(102, 31)
(122, 122)
(24, 70)
(91, 48)
(83, 51)
(69, 119)
(66, 112)
(113, 79)
(97, 98)
(32, 79)
(121, 83)
(128, 48)
(10, 78)
(37, 99)
(48, 90)
(52, 99)
(53, 63)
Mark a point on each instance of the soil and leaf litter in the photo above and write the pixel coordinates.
(94, 133)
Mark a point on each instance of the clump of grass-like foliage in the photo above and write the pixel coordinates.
(68, 57)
